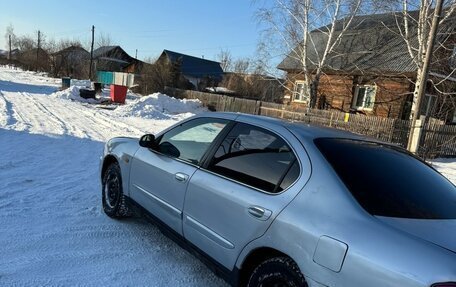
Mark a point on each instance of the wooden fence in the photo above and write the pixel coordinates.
(385, 129)
(437, 139)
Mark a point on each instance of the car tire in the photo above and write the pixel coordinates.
(278, 271)
(113, 198)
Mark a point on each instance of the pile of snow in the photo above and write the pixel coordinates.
(72, 93)
(81, 83)
(161, 107)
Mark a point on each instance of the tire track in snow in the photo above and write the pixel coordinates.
(79, 120)
(38, 112)
(15, 119)
(26, 112)
(45, 104)
(32, 112)
(7, 111)
(4, 111)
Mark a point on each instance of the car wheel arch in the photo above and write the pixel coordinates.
(254, 258)
(107, 161)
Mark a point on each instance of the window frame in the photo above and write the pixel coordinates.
(301, 95)
(214, 148)
(356, 96)
(221, 135)
(428, 105)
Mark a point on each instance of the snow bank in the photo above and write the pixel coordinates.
(446, 166)
(159, 106)
(81, 83)
(72, 93)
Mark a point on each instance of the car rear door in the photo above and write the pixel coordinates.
(253, 174)
(159, 178)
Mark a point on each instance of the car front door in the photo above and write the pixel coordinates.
(235, 196)
(159, 177)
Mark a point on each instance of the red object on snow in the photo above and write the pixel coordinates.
(118, 93)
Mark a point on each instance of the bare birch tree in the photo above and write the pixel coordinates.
(293, 27)
(226, 60)
(103, 39)
(414, 25)
(429, 34)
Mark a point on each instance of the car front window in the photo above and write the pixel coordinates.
(190, 140)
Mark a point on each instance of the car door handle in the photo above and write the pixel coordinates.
(181, 177)
(259, 212)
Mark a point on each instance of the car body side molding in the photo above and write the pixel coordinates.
(168, 207)
(208, 233)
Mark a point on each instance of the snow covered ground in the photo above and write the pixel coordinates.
(53, 231)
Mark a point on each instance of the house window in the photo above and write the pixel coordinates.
(428, 105)
(364, 97)
(300, 93)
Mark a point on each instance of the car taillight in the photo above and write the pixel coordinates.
(448, 284)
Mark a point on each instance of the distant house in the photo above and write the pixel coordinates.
(34, 59)
(115, 59)
(14, 54)
(199, 72)
(254, 86)
(13, 57)
(73, 61)
(371, 71)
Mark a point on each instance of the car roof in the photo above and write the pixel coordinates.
(305, 130)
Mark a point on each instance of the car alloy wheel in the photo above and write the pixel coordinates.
(112, 190)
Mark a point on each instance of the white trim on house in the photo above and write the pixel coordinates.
(428, 104)
(299, 95)
(366, 104)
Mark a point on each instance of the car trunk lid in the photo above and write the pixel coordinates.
(437, 231)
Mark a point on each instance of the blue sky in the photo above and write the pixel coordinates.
(198, 27)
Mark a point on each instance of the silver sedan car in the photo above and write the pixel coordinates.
(272, 203)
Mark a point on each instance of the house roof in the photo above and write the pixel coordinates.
(101, 51)
(33, 51)
(113, 53)
(72, 49)
(193, 66)
(372, 43)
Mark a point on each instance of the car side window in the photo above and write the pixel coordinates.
(256, 157)
(190, 140)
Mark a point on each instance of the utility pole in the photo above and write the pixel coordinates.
(91, 52)
(415, 131)
(38, 49)
(136, 54)
(9, 53)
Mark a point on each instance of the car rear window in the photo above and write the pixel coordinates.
(387, 181)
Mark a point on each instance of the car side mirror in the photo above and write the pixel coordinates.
(148, 141)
